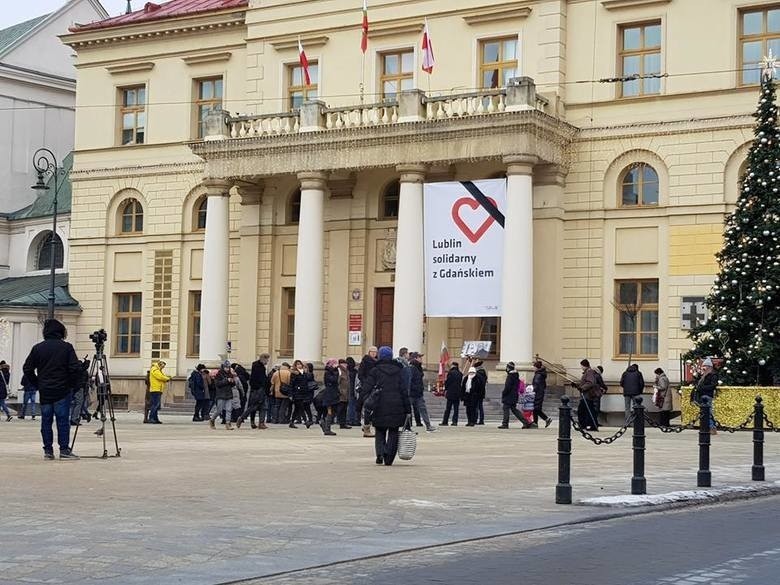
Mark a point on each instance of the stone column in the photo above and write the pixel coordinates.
(309, 273)
(216, 272)
(409, 303)
(517, 304)
(249, 231)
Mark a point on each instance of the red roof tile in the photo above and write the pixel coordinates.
(172, 9)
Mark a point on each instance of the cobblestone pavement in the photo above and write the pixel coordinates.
(186, 504)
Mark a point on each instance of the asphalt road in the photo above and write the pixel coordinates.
(727, 544)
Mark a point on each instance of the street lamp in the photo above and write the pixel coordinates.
(45, 163)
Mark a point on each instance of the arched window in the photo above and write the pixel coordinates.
(294, 208)
(132, 219)
(44, 254)
(639, 186)
(388, 202)
(200, 214)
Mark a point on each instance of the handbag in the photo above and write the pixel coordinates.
(407, 441)
(373, 399)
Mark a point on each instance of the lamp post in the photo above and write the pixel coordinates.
(45, 163)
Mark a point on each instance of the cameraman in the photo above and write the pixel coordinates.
(53, 367)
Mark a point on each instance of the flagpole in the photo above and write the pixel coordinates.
(362, 79)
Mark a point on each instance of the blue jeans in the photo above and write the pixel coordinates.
(352, 414)
(154, 405)
(61, 411)
(29, 398)
(419, 402)
(3, 407)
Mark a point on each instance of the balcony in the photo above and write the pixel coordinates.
(412, 129)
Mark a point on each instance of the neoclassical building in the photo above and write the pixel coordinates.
(294, 219)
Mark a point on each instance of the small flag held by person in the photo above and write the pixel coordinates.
(428, 60)
(304, 63)
(364, 36)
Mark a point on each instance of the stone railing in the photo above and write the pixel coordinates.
(411, 106)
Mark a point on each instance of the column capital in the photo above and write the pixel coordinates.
(217, 187)
(412, 173)
(313, 180)
(251, 193)
(521, 164)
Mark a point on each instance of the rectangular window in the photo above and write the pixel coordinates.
(193, 346)
(490, 330)
(132, 114)
(497, 62)
(208, 98)
(397, 73)
(127, 324)
(759, 33)
(636, 306)
(640, 55)
(297, 90)
(288, 322)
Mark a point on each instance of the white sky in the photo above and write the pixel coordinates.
(15, 11)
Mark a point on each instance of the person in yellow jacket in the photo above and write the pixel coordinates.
(157, 381)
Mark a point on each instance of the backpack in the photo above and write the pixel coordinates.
(372, 400)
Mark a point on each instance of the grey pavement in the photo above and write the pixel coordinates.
(730, 544)
(185, 504)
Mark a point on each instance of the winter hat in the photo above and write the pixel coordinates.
(707, 363)
(472, 370)
(385, 353)
(372, 348)
(510, 366)
(226, 364)
(332, 363)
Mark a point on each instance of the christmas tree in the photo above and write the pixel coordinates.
(744, 304)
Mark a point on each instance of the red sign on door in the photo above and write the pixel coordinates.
(356, 322)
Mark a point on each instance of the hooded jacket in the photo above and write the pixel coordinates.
(52, 365)
(509, 394)
(632, 381)
(393, 404)
(452, 384)
(157, 378)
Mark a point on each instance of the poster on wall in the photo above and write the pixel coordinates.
(464, 247)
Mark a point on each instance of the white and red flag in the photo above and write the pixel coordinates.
(304, 63)
(428, 60)
(364, 36)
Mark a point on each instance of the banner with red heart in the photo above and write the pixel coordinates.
(464, 247)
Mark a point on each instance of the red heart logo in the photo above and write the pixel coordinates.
(472, 235)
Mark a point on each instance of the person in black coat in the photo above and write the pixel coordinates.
(243, 376)
(197, 388)
(633, 384)
(258, 394)
(223, 384)
(540, 385)
(509, 397)
(452, 394)
(473, 386)
(330, 396)
(707, 385)
(5, 377)
(53, 367)
(417, 390)
(366, 365)
(299, 383)
(481, 391)
(392, 408)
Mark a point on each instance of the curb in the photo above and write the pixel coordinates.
(680, 499)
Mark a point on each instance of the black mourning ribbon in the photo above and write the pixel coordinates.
(484, 202)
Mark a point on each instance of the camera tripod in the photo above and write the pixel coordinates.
(98, 376)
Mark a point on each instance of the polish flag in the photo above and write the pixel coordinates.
(364, 37)
(304, 63)
(444, 358)
(428, 60)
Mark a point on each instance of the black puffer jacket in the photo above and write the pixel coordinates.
(364, 369)
(540, 385)
(706, 386)
(330, 396)
(223, 382)
(52, 365)
(301, 389)
(509, 394)
(632, 381)
(452, 384)
(417, 385)
(393, 403)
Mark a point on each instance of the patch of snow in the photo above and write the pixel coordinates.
(419, 504)
(629, 501)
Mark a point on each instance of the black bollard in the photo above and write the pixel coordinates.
(563, 488)
(757, 471)
(704, 475)
(638, 481)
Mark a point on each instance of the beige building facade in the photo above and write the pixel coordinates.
(620, 125)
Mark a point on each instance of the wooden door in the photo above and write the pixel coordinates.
(383, 317)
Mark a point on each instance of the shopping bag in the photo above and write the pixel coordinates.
(407, 442)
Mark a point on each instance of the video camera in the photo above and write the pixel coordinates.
(99, 338)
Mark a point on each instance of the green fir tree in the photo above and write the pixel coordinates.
(744, 304)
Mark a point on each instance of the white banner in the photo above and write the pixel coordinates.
(464, 248)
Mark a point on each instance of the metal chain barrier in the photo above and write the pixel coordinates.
(671, 428)
(742, 427)
(770, 426)
(606, 440)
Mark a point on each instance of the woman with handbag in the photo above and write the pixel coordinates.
(389, 404)
(662, 397)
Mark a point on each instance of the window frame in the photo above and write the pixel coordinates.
(292, 217)
(764, 36)
(638, 331)
(200, 102)
(135, 109)
(287, 325)
(193, 322)
(43, 243)
(130, 316)
(383, 199)
(499, 65)
(495, 348)
(290, 88)
(200, 208)
(640, 189)
(135, 215)
(622, 52)
(398, 77)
